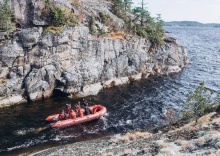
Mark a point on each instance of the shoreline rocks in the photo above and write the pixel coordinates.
(182, 140)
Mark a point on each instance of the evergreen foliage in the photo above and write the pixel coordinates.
(105, 18)
(5, 17)
(155, 30)
(92, 25)
(118, 8)
(142, 24)
(58, 17)
(147, 26)
(198, 101)
(127, 5)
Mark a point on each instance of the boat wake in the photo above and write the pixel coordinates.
(30, 130)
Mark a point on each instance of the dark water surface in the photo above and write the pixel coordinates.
(136, 106)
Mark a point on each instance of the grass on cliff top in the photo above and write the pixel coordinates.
(114, 36)
(53, 30)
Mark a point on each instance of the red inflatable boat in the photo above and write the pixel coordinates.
(98, 111)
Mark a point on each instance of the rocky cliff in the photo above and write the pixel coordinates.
(33, 64)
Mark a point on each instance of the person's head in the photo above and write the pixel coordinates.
(68, 106)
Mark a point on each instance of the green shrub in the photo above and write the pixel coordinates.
(118, 8)
(198, 101)
(155, 36)
(105, 18)
(5, 17)
(92, 25)
(58, 17)
(102, 31)
(140, 32)
(129, 25)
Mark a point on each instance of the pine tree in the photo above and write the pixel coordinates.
(142, 13)
(147, 26)
(198, 101)
(118, 8)
(127, 5)
(142, 16)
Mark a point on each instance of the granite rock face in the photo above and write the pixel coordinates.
(30, 36)
(33, 65)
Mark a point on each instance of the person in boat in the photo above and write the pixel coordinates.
(76, 111)
(67, 111)
(87, 110)
(72, 114)
(62, 115)
(80, 112)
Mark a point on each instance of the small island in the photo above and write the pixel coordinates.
(191, 23)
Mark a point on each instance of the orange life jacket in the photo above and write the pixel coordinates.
(72, 114)
(61, 116)
(80, 112)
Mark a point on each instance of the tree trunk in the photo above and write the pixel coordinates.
(142, 6)
(196, 119)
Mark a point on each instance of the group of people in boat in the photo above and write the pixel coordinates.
(69, 113)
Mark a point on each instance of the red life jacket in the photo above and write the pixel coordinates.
(72, 114)
(61, 116)
(80, 113)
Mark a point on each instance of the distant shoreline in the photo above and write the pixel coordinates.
(191, 23)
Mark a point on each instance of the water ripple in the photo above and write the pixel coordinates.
(136, 106)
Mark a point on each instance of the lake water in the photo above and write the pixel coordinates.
(136, 106)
